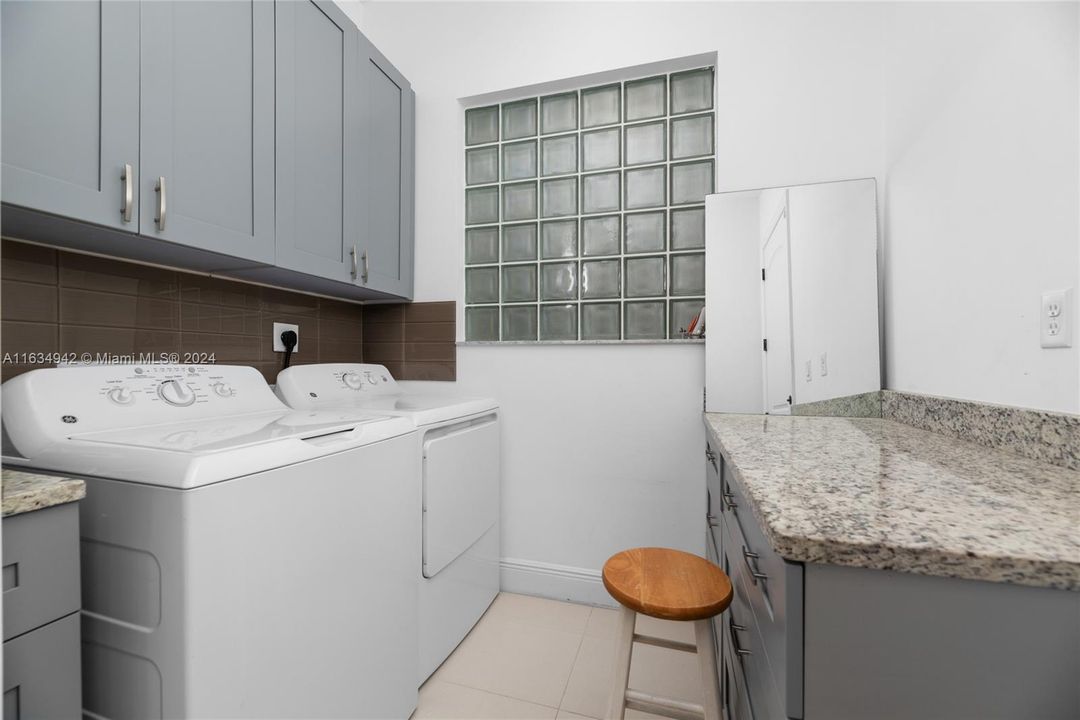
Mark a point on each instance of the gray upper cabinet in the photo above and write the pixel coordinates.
(70, 118)
(389, 118)
(318, 143)
(207, 123)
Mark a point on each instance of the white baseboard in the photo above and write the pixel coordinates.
(558, 582)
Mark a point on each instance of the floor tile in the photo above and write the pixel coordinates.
(541, 612)
(447, 701)
(629, 715)
(519, 660)
(654, 670)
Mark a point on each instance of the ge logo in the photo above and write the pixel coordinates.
(70, 419)
(313, 395)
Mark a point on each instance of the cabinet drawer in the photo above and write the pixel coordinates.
(42, 676)
(40, 568)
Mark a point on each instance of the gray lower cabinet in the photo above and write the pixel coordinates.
(823, 642)
(207, 126)
(387, 247)
(42, 666)
(319, 171)
(70, 110)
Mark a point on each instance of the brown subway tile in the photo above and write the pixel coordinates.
(333, 350)
(29, 337)
(29, 263)
(383, 352)
(94, 273)
(430, 312)
(28, 301)
(350, 330)
(81, 339)
(227, 349)
(215, 291)
(428, 352)
(428, 371)
(429, 332)
(283, 302)
(87, 307)
(384, 313)
(384, 332)
(218, 318)
(338, 310)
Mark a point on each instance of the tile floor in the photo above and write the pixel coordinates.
(535, 658)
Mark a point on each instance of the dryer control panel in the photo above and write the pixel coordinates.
(43, 405)
(335, 381)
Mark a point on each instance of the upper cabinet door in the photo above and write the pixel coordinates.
(207, 112)
(389, 119)
(70, 118)
(318, 160)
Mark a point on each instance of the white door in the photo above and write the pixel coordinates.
(776, 317)
(461, 489)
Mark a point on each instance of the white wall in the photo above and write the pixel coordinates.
(981, 199)
(794, 106)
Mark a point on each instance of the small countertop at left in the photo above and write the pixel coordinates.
(25, 492)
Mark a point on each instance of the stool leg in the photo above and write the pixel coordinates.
(624, 648)
(706, 650)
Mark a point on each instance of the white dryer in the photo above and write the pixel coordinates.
(459, 457)
(239, 559)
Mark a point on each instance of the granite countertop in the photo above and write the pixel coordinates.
(878, 494)
(25, 492)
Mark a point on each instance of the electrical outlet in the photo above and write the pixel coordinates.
(824, 364)
(280, 328)
(1056, 319)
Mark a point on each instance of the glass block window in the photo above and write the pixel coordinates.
(585, 211)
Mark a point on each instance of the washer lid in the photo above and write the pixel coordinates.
(230, 432)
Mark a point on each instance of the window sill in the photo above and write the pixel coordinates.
(500, 343)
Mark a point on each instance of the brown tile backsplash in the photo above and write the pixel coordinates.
(54, 301)
(415, 341)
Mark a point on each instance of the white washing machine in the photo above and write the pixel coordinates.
(459, 457)
(239, 559)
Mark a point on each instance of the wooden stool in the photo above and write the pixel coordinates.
(671, 585)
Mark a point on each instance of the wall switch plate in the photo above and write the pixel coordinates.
(1056, 319)
(280, 328)
(824, 364)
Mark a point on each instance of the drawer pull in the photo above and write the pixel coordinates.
(747, 556)
(709, 454)
(735, 640)
(713, 522)
(729, 501)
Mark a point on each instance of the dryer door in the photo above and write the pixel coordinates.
(461, 488)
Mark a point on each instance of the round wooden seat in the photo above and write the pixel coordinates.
(667, 584)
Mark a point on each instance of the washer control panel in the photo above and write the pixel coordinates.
(86, 398)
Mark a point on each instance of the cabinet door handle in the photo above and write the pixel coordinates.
(747, 555)
(735, 640)
(128, 201)
(160, 217)
(713, 522)
(709, 454)
(353, 254)
(729, 501)
(364, 264)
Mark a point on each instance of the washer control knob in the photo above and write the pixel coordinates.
(121, 395)
(176, 393)
(352, 380)
(371, 378)
(224, 389)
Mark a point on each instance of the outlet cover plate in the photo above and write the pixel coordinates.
(1056, 319)
(280, 328)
